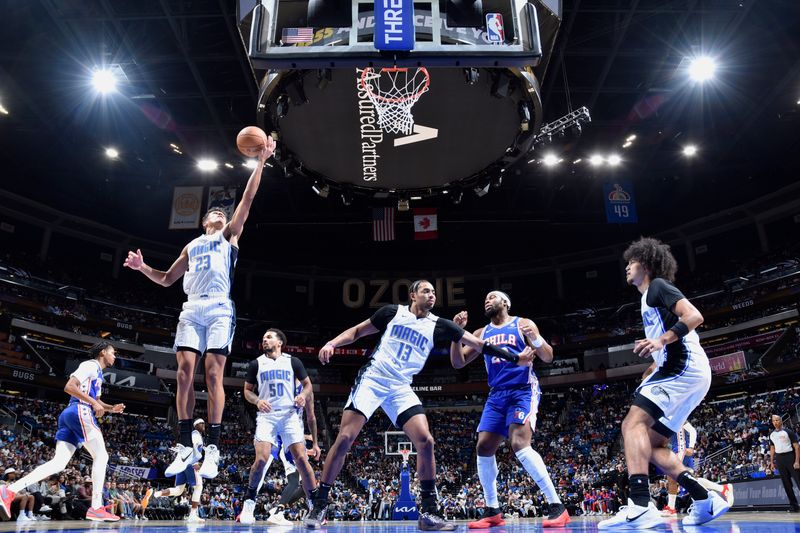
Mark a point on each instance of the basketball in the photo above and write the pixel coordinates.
(251, 140)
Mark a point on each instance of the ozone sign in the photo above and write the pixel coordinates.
(394, 25)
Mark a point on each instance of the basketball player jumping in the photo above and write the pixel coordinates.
(511, 408)
(666, 398)
(410, 332)
(273, 374)
(77, 425)
(207, 321)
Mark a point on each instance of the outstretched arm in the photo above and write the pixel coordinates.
(461, 355)
(135, 261)
(346, 337)
(486, 348)
(234, 228)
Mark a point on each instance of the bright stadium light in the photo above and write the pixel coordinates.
(207, 165)
(631, 138)
(596, 160)
(112, 153)
(550, 160)
(702, 68)
(250, 163)
(690, 150)
(614, 160)
(104, 81)
(3, 109)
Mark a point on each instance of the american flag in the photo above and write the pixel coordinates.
(383, 224)
(297, 35)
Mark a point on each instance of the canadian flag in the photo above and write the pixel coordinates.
(425, 224)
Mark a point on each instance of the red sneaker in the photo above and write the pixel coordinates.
(668, 511)
(557, 517)
(488, 521)
(6, 499)
(101, 515)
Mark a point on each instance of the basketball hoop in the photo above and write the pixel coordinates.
(405, 454)
(394, 91)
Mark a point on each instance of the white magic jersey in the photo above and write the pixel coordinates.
(405, 345)
(212, 260)
(276, 381)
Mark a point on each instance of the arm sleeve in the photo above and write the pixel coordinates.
(382, 316)
(662, 293)
(252, 373)
(299, 370)
(692, 435)
(85, 370)
(792, 436)
(447, 331)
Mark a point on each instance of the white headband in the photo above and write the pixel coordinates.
(503, 296)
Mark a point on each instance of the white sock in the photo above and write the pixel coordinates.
(29, 513)
(671, 500)
(534, 465)
(97, 449)
(64, 451)
(487, 473)
(710, 485)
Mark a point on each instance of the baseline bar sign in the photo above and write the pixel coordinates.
(394, 25)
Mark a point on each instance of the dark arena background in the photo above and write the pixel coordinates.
(512, 145)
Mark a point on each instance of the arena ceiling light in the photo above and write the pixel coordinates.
(630, 138)
(614, 160)
(228, 165)
(250, 163)
(702, 68)
(550, 160)
(207, 165)
(690, 150)
(596, 160)
(112, 153)
(577, 161)
(3, 109)
(104, 81)
(627, 144)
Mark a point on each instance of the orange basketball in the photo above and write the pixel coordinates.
(251, 140)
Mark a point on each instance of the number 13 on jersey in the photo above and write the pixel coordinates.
(404, 352)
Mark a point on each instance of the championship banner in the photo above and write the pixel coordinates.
(130, 472)
(186, 202)
(223, 198)
(620, 203)
(394, 25)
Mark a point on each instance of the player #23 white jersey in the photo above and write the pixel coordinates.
(276, 381)
(212, 260)
(405, 345)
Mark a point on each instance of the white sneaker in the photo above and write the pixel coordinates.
(633, 516)
(210, 467)
(703, 511)
(184, 457)
(727, 493)
(249, 507)
(23, 518)
(44, 508)
(277, 519)
(194, 518)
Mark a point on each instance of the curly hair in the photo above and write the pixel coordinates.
(97, 349)
(655, 256)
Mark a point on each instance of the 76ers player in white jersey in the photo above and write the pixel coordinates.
(206, 323)
(511, 408)
(273, 376)
(666, 398)
(410, 332)
(77, 425)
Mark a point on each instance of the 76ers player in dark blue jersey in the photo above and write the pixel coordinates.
(77, 426)
(510, 411)
(208, 318)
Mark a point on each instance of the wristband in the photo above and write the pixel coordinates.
(493, 351)
(538, 342)
(680, 329)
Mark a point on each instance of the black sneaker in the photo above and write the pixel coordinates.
(316, 515)
(433, 522)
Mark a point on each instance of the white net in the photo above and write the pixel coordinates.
(393, 92)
